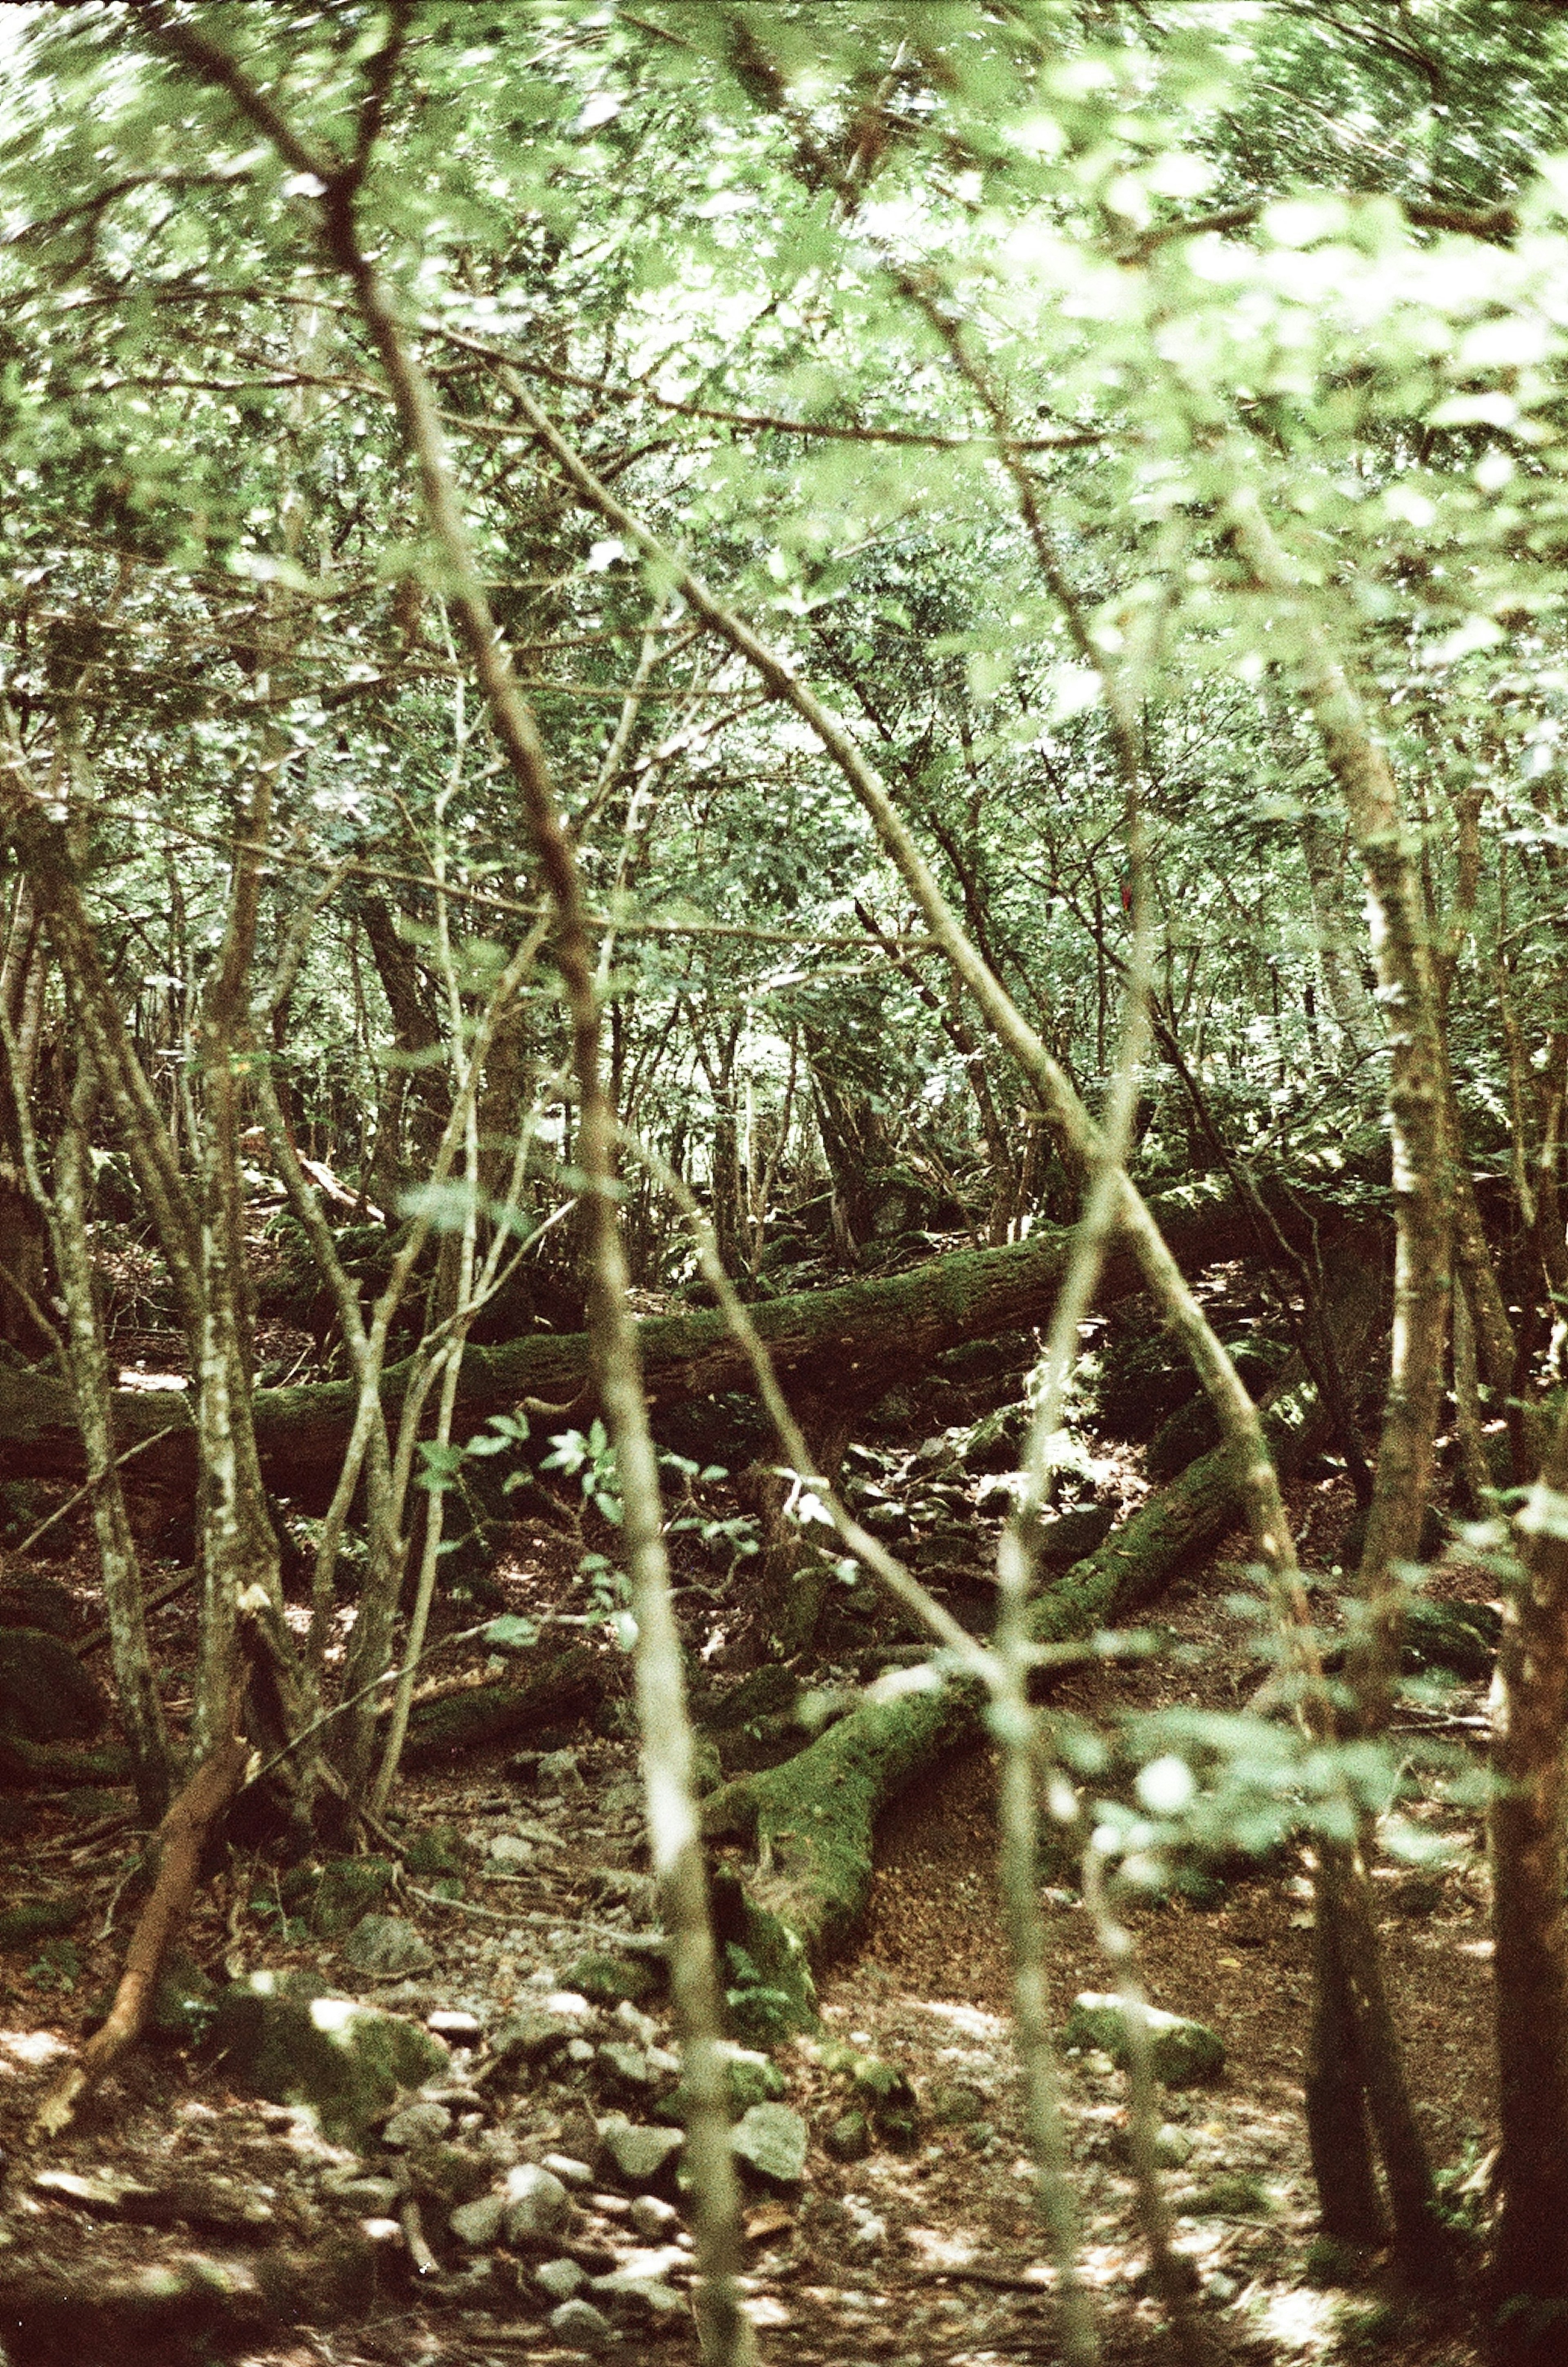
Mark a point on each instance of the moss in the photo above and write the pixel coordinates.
(611, 1980)
(346, 1888)
(22, 1761)
(567, 1685)
(23, 1927)
(281, 2036)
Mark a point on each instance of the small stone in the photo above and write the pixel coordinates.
(537, 2202)
(580, 2050)
(639, 2283)
(1173, 2147)
(640, 2155)
(641, 2027)
(770, 2140)
(580, 2325)
(418, 2123)
(457, 2029)
(511, 1849)
(478, 2224)
(652, 2216)
(385, 1947)
(849, 2139)
(561, 2280)
(533, 2036)
(560, 1770)
(628, 2065)
(1219, 2288)
(570, 2171)
(1185, 2054)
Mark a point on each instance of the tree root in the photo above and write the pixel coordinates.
(180, 1838)
(812, 1819)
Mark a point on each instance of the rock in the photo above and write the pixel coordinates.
(570, 2171)
(955, 2103)
(418, 2123)
(478, 2224)
(752, 2078)
(104, 2193)
(46, 1694)
(533, 2037)
(511, 1849)
(579, 2325)
(560, 2280)
(770, 2141)
(457, 2029)
(627, 2066)
(537, 2202)
(184, 2002)
(348, 1888)
(652, 2217)
(1173, 2147)
(580, 2050)
(447, 2175)
(385, 1948)
(639, 2282)
(1185, 2054)
(641, 2155)
(886, 2084)
(217, 2206)
(373, 2198)
(560, 1770)
(280, 2036)
(609, 1979)
(1460, 1637)
(849, 2139)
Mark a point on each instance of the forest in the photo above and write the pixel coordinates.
(783, 1134)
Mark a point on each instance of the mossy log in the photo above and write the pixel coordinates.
(564, 1688)
(852, 1343)
(812, 1819)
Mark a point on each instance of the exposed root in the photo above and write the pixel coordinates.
(179, 1843)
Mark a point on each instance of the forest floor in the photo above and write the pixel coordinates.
(930, 2257)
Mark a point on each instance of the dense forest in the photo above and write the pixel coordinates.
(784, 1096)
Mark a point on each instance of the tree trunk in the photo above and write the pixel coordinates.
(854, 1342)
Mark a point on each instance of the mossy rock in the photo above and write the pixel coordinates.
(611, 1980)
(285, 2037)
(750, 2078)
(46, 1695)
(1185, 2054)
(29, 1600)
(1460, 1637)
(347, 1888)
(435, 1850)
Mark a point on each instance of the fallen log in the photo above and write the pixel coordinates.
(567, 1685)
(851, 1343)
(812, 1821)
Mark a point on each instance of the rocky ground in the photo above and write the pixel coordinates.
(421, 2105)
